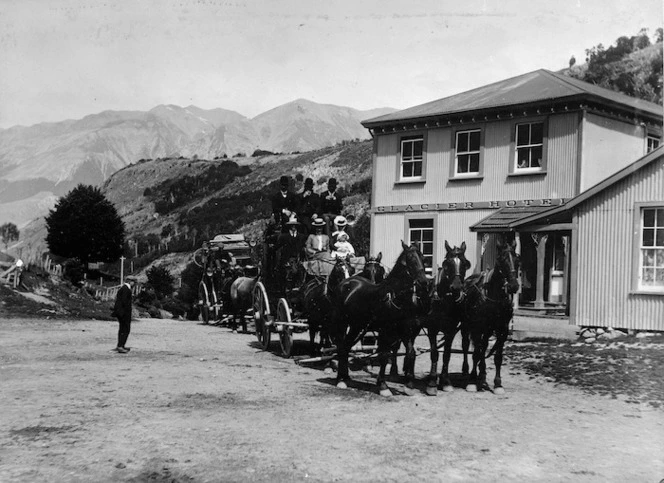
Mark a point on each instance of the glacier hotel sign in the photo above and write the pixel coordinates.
(469, 205)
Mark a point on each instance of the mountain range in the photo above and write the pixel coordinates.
(41, 162)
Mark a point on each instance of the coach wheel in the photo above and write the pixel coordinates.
(286, 331)
(200, 257)
(261, 307)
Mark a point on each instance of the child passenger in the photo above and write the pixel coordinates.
(342, 247)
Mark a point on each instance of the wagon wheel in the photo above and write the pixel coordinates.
(200, 257)
(261, 312)
(286, 332)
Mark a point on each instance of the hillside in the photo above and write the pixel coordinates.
(177, 202)
(51, 158)
(633, 66)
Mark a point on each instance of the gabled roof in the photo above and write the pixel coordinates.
(534, 87)
(651, 157)
(507, 218)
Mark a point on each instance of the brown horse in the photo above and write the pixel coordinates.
(391, 308)
(241, 300)
(317, 303)
(373, 270)
(489, 310)
(447, 316)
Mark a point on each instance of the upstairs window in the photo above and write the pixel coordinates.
(412, 158)
(420, 233)
(529, 147)
(652, 142)
(467, 162)
(651, 257)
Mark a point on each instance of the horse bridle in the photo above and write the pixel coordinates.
(374, 263)
(512, 270)
(456, 260)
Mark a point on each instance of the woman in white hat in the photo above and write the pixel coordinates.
(317, 242)
(340, 224)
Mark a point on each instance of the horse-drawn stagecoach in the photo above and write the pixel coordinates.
(290, 296)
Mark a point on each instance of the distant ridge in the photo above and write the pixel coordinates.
(48, 159)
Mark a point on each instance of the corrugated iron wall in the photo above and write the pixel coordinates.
(559, 181)
(605, 238)
(389, 228)
(610, 145)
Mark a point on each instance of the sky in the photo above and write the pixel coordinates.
(65, 59)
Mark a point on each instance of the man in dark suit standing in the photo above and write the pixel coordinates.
(331, 204)
(122, 310)
(308, 205)
(284, 203)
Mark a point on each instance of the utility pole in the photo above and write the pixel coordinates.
(122, 259)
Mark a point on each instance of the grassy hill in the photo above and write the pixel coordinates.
(170, 205)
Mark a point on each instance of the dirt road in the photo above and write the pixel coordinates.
(198, 403)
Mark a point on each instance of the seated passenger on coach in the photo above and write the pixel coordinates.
(342, 247)
(318, 243)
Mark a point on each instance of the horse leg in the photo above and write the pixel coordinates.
(465, 346)
(343, 348)
(409, 366)
(394, 368)
(432, 385)
(243, 320)
(472, 381)
(498, 362)
(312, 339)
(385, 351)
(445, 382)
(481, 379)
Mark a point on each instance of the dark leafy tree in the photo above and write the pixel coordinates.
(85, 225)
(632, 66)
(188, 293)
(9, 233)
(261, 152)
(161, 280)
(361, 236)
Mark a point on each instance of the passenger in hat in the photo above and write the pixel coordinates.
(284, 203)
(290, 251)
(331, 203)
(342, 247)
(317, 242)
(340, 223)
(291, 243)
(308, 205)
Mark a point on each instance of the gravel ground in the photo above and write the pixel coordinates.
(199, 403)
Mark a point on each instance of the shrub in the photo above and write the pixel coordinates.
(161, 280)
(73, 270)
(260, 152)
(146, 297)
(174, 306)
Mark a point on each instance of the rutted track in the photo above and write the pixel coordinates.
(198, 403)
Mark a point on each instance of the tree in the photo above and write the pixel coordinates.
(9, 233)
(85, 225)
(632, 66)
(188, 293)
(161, 280)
